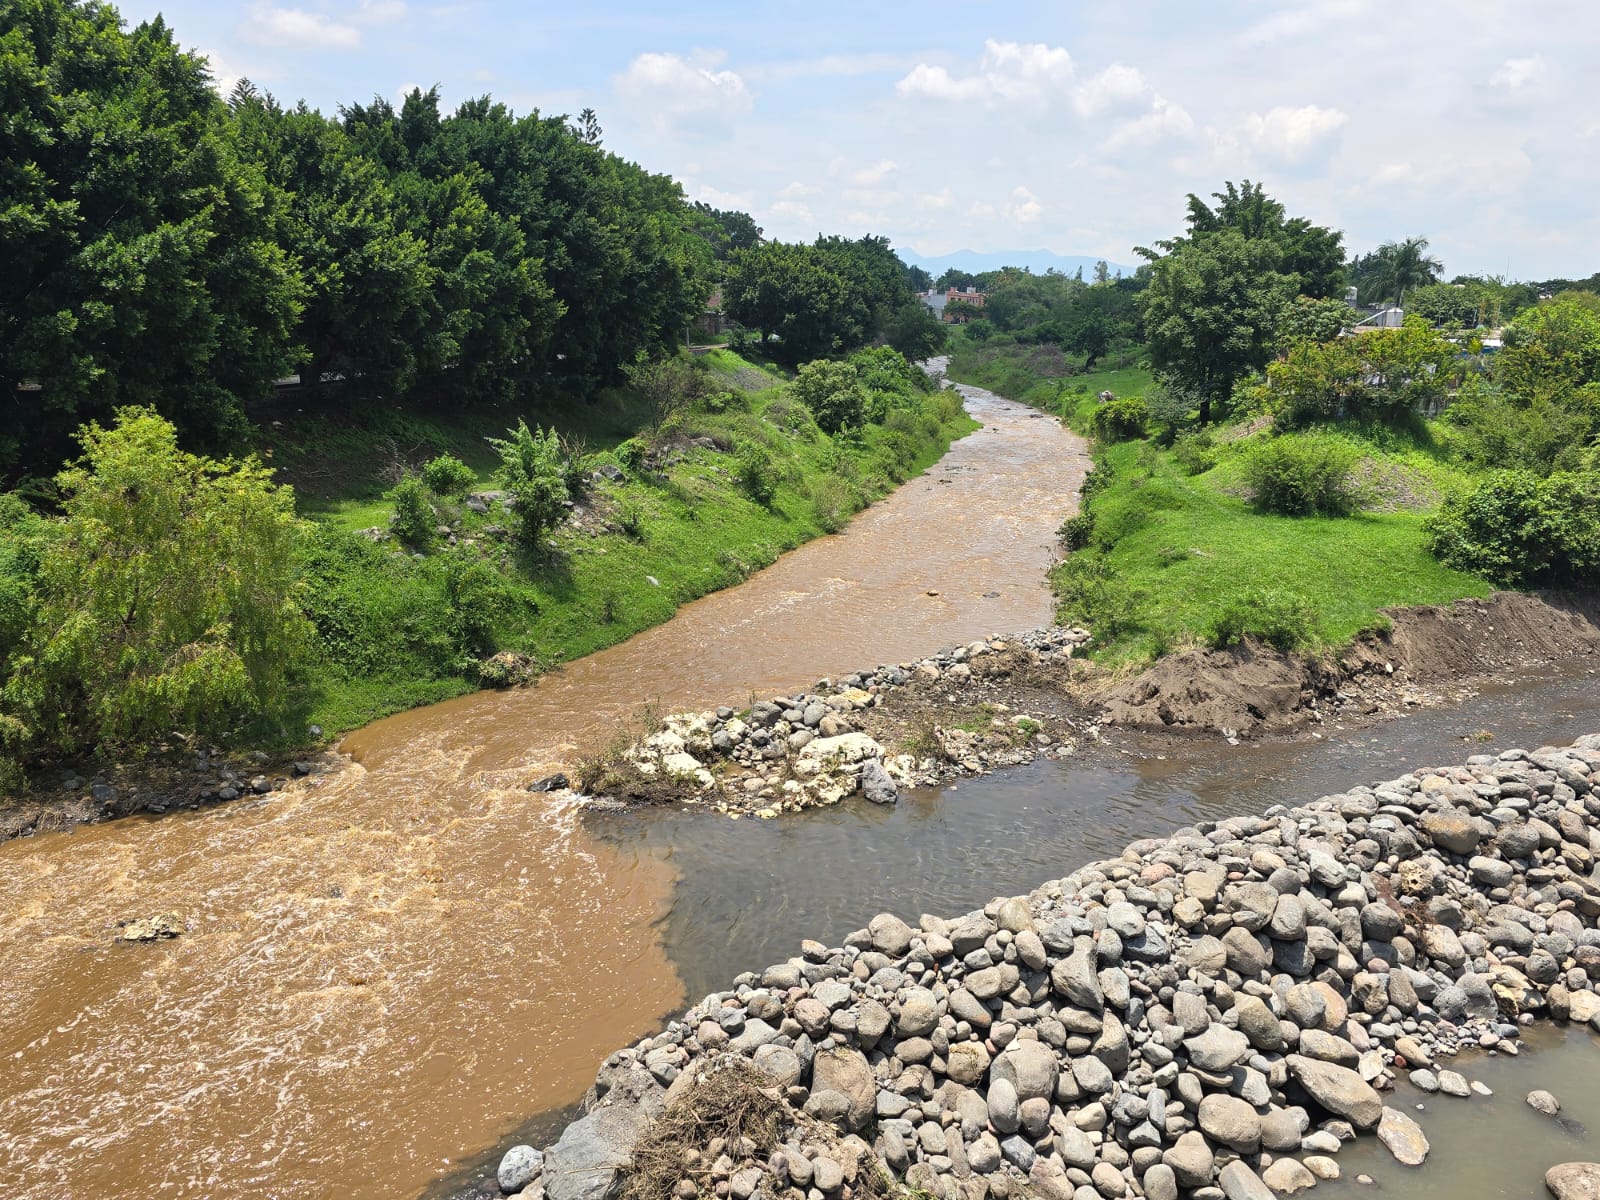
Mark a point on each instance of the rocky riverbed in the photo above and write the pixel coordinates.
(997, 702)
(1214, 1014)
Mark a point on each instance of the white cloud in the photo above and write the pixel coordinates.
(734, 201)
(793, 210)
(665, 86)
(1299, 20)
(1165, 122)
(269, 25)
(1024, 208)
(793, 191)
(1008, 73)
(1519, 74)
(380, 12)
(1115, 89)
(224, 74)
(875, 174)
(1291, 135)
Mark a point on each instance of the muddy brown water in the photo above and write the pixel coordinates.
(388, 972)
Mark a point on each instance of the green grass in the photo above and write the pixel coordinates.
(1178, 551)
(399, 636)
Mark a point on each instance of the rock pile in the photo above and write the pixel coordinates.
(787, 753)
(1211, 1015)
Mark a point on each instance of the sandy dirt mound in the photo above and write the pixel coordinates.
(1247, 689)
(1507, 630)
(1255, 691)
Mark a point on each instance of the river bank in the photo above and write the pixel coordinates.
(1252, 986)
(1004, 701)
(419, 944)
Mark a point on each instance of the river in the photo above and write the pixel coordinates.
(388, 976)
(385, 973)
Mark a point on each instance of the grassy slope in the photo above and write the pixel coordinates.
(1191, 545)
(1181, 548)
(689, 526)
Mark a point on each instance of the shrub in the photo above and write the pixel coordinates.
(1196, 453)
(1076, 531)
(754, 471)
(168, 598)
(448, 476)
(414, 520)
(1283, 619)
(833, 393)
(531, 468)
(630, 454)
(1098, 478)
(1302, 475)
(834, 501)
(1090, 593)
(1516, 528)
(1119, 420)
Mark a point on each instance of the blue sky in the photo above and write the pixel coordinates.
(1073, 127)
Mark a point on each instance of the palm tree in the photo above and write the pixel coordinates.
(1405, 265)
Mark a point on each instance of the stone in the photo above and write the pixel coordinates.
(1452, 831)
(1573, 1181)
(1191, 1160)
(1075, 978)
(967, 1062)
(1323, 1167)
(1217, 1049)
(519, 1166)
(1005, 1109)
(890, 934)
(1544, 1103)
(1030, 1067)
(827, 1176)
(1286, 1176)
(848, 1073)
(919, 1013)
(584, 1163)
(1108, 1181)
(1231, 1121)
(1239, 1182)
(1403, 1138)
(1337, 1089)
(1160, 1182)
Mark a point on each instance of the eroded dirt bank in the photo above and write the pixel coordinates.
(1429, 654)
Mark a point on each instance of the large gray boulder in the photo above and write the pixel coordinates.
(1337, 1089)
(1573, 1181)
(584, 1164)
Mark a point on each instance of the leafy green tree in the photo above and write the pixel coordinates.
(1312, 254)
(1305, 319)
(532, 470)
(915, 332)
(1401, 266)
(1516, 528)
(168, 597)
(141, 260)
(797, 295)
(727, 231)
(1448, 305)
(1383, 372)
(1551, 351)
(833, 393)
(1211, 312)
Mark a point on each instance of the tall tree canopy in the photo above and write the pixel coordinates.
(169, 249)
(1217, 294)
(141, 250)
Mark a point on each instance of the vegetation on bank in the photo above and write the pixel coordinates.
(437, 585)
(1289, 480)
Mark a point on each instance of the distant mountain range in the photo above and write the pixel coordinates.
(1037, 261)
